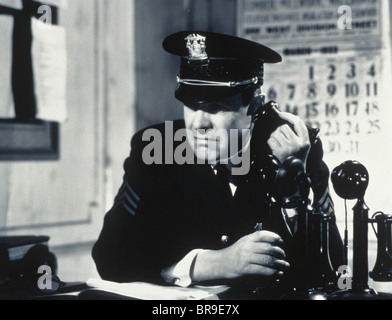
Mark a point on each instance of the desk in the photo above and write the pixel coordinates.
(81, 291)
(97, 289)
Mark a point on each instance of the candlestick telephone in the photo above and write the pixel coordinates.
(284, 179)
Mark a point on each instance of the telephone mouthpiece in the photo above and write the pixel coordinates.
(350, 180)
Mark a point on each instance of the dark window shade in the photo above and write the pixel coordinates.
(35, 140)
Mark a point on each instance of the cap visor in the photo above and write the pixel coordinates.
(205, 94)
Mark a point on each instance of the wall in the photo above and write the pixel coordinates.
(67, 199)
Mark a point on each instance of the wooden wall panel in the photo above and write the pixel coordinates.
(54, 196)
(119, 90)
(156, 69)
(4, 193)
(67, 199)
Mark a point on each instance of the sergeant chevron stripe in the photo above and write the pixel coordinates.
(326, 203)
(128, 198)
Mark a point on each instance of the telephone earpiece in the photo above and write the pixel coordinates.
(255, 106)
(266, 119)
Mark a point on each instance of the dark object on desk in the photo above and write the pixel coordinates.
(15, 247)
(20, 260)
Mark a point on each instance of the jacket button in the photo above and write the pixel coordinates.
(225, 239)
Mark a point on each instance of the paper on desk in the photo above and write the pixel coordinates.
(148, 291)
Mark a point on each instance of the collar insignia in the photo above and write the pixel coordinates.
(196, 45)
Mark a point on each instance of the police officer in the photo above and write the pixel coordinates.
(194, 221)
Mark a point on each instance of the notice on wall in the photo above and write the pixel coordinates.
(14, 4)
(292, 22)
(335, 74)
(6, 97)
(50, 71)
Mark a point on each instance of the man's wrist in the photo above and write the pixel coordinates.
(210, 265)
(179, 274)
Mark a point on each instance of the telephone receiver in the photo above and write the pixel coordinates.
(266, 119)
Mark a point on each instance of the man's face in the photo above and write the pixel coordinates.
(215, 130)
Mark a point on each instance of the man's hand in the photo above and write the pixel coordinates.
(255, 254)
(285, 141)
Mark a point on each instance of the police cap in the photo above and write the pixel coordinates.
(215, 66)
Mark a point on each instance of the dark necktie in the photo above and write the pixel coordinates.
(222, 177)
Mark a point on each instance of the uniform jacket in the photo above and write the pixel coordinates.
(163, 211)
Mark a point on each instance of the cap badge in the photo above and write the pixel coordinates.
(196, 45)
